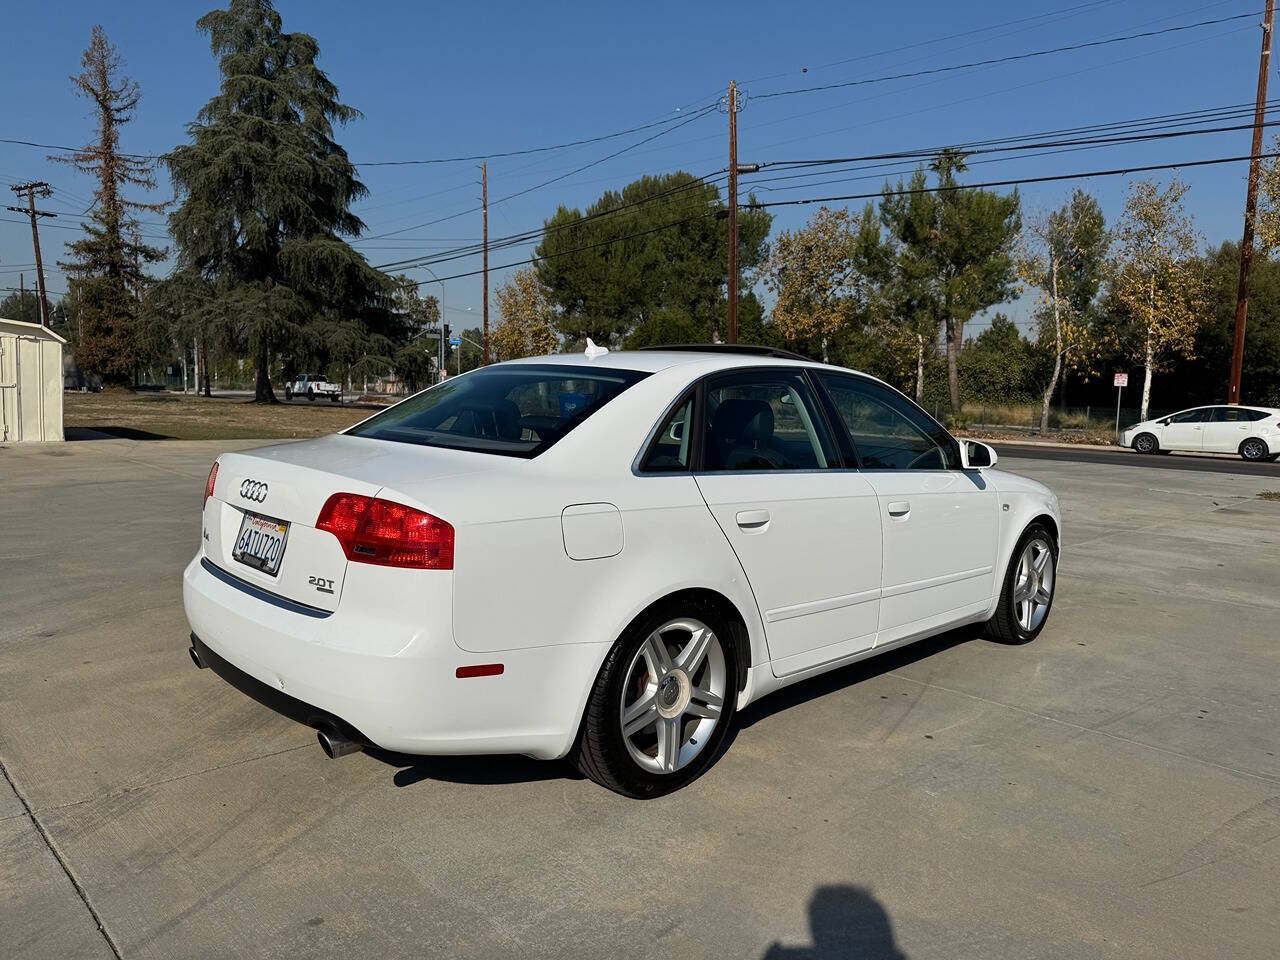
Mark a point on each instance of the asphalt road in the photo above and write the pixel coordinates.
(1011, 454)
(1110, 790)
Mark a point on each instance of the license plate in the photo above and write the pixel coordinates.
(260, 543)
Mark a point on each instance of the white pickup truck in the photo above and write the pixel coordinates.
(311, 386)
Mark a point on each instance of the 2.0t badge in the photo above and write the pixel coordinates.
(255, 490)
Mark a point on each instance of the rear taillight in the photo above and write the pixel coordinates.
(386, 533)
(208, 487)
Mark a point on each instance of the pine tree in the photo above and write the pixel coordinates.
(265, 196)
(106, 264)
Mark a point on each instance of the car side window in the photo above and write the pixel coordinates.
(1200, 415)
(669, 450)
(1236, 415)
(764, 421)
(888, 431)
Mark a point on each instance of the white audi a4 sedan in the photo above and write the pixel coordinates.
(1253, 433)
(604, 556)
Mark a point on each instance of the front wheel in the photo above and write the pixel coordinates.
(1029, 584)
(662, 703)
(1254, 450)
(288, 394)
(335, 397)
(1146, 443)
(311, 395)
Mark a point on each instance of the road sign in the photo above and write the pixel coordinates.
(455, 341)
(1122, 380)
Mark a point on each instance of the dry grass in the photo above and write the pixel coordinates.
(169, 416)
(1270, 495)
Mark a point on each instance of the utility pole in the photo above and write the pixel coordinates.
(36, 188)
(733, 211)
(1251, 206)
(484, 202)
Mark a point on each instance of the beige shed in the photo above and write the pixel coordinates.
(30, 382)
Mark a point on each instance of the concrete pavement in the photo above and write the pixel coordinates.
(1112, 789)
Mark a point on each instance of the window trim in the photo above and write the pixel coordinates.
(831, 448)
(690, 393)
(954, 450)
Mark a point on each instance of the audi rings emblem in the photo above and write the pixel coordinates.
(255, 490)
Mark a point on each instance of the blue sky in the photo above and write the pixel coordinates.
(443, 79)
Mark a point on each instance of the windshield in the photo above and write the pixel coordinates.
(518, 410)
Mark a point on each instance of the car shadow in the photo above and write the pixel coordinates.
(483, 770)
(845, 923)
(855, 673)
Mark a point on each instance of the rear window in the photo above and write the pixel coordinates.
(517, 411)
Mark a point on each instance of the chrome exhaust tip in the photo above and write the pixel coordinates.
(195, 657)
(335, 745)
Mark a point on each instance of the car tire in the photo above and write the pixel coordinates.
(311, 395)
(1013, 623)
(634, 681)
(335, 397)
(1254, 450)
(288, 394)
(1146, 443)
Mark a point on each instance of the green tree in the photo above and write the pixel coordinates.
(902, 270)
(265, 195)
(21, 306)
(999, 365)
(966, 238)
(1065, 258)
(414, 355)
(646, 263)
(107, 262)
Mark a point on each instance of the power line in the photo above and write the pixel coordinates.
(425, 161)
(1032, 54)
(1169, 121)
(533, 233)
(564, 253)
(1019, 181)
(564, 176)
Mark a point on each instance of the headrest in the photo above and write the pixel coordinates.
(743, 420)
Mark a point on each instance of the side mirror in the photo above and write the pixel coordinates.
(975, 455)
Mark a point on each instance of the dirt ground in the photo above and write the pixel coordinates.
(170, 416)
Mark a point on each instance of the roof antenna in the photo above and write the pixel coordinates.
(593, 351)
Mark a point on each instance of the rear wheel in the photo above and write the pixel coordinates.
(1254, 450)
(311, 395)
(663, 702)
(335, 397)
(1146, 443)
(288, 393)
(1029, 584)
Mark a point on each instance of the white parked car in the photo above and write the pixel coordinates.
(603, 557)
(1251, 432)
(311, 386)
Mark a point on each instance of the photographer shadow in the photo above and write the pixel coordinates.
(845, 923)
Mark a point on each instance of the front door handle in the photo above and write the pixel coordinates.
(899, 508)
(752, 519)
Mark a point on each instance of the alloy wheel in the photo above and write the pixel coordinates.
(1033, 589)
(1253, 450)
(673, 695)
(1144, 444)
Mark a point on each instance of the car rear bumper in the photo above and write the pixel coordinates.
(389, 681)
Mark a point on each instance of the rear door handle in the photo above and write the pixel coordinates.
(899, 508)
(752, 519)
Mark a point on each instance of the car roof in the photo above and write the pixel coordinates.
(651, 361)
